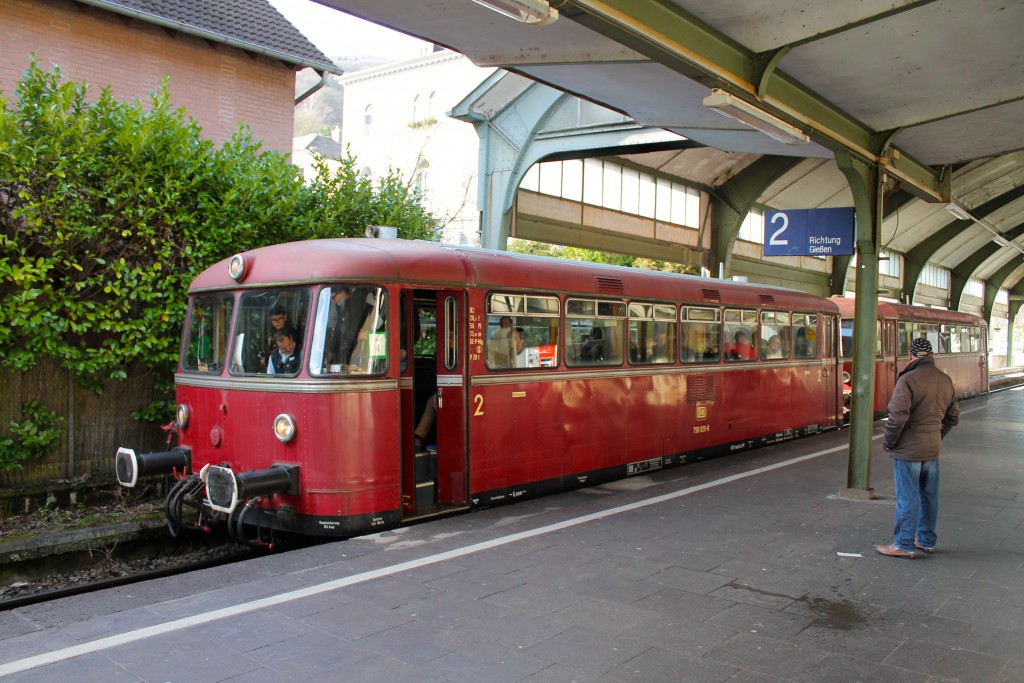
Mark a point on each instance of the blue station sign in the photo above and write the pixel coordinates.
(809, 232)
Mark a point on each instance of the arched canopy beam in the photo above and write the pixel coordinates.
(916, 259)
(996, 281)
(682, 42)
(734, 199)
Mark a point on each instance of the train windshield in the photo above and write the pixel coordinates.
(270, 332)
(350, 331)
(206, 337)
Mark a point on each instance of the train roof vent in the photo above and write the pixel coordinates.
(712, 295)
(766, 299)
(700, 388)
(609, 285)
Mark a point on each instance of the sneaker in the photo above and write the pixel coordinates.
(893, 551)
(922, 548)
(417, 444)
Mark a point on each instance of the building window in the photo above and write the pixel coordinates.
(889, 263)
(616, 187)
(752, 227)
(367, 119)
(934, 276)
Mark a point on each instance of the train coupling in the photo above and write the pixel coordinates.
(129, 466)
(225, 489)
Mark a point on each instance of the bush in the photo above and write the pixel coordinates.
(31, 438)
(108, 210)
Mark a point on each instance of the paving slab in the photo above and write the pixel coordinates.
(764, 578)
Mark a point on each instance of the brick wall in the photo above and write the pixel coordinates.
(218, 85)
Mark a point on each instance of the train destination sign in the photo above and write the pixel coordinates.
(809, 232)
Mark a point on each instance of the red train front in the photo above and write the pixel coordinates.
(337, 387)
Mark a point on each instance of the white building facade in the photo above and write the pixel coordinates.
(395, 118)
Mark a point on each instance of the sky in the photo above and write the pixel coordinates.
(341, 35)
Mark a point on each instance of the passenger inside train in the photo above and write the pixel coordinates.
(741, 348)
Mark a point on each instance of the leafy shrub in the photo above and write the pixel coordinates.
(108, 210)
(31, 438)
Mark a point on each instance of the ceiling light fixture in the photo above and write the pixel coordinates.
(746, 113)
(959, 211)
(997, 237)
(532, 12)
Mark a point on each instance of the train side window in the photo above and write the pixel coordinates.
(774, 335)
(522, 331)
(805, 335)
(652, 333)
(903, 339)
(963, 339)
(451, 333)
(206, 338)
(740, 335)
(932, 334)
(594, 331)
(700, 334)
(945, 339)
(846, 337)
(261, 315)
(975, 339)
(350, 331)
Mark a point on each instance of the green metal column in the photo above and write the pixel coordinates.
(866, 184)
(1014, 309)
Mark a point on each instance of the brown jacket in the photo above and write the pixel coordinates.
(922, 409)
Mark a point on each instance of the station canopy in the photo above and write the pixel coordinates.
(934, 89)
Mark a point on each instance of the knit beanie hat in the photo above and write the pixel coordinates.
(920, 347)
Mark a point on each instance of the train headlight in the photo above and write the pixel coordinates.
(181, 416)
(284, 427)
(221, 489)
(237, 267)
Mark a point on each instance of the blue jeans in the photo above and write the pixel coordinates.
(917, 503)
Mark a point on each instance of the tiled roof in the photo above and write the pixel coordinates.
(253, 25)
(321, 144)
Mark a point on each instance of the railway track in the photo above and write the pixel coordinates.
(81, 588)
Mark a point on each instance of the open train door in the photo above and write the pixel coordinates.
(452, 475)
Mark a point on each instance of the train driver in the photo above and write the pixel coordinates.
(285, 360)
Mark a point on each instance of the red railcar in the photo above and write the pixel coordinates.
(959, 340)
(599, 372)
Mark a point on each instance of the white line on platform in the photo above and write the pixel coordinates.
(206, 617)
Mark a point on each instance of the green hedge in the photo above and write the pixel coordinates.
(109, 209)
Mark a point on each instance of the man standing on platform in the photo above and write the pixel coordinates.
(922, 410)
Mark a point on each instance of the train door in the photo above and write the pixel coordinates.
(983, 360)
(832, 371)
(886, 363)
(417, 383)
(452, 475)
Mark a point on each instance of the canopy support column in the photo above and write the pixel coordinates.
(867, 184)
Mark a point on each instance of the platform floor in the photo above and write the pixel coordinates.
(747, 569)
